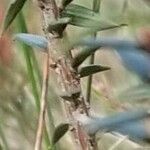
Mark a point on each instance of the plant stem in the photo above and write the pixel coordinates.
(96, 8)
(41, 122)
(67, 77)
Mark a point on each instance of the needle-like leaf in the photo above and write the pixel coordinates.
(91, 69)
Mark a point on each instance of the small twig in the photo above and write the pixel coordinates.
(89, 82)
(41, 121)
(96, 8)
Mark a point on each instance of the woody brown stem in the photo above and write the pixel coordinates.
(68, 79)
(41, 122)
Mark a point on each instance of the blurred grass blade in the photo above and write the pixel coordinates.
(59, 132)
(135, 94)
(125, 7)
(4, 139)
(22, 27)
(32, 40)
(32, 65)
(84, 17)
(96, 5)
(28, 56)
(91, 69)
(13, 10)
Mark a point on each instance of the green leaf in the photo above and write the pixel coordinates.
(84, 17)
(70, 95)
(59, 25)
(66, 96)
(81, 56)
(66, 2)
(32, 40)
(12, 12)
(91, 69)
(59, 132)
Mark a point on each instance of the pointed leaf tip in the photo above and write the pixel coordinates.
(84, 17)
(59, 132)
(81, 56)
(91, 69)
(12, 12)
(32, 40)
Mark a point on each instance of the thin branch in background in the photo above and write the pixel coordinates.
(41, 122)
(96, 8)
(89, 82)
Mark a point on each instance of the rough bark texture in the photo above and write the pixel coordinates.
(68, 79)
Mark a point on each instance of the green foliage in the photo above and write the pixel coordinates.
(59, 132)
(31, 62)
(91, 20)
(14, 8)
(81, 56)
(59, 25)
(66, 2)
(84, 17)
(91, 69)
(28, 57)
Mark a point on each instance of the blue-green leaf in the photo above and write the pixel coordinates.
(32, 40)
(114, 42)
(115, 121)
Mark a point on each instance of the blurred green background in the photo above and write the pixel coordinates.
(112, 90)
